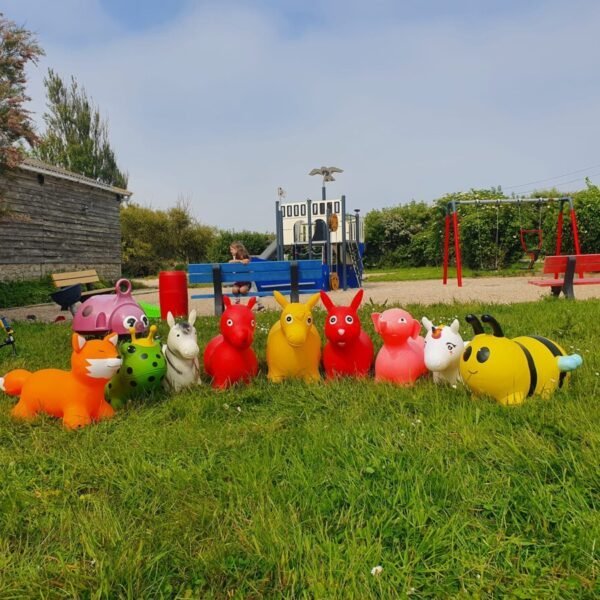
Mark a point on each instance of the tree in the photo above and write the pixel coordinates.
(76, 137)
(17, 48)
(156, 239)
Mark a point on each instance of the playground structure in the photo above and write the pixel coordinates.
(533, 250)
(322, 230)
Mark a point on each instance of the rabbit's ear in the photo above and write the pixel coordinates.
(227, 301)
(416, 329)
(170, 319)
(252, 302)
(357, 300)
(329, 305)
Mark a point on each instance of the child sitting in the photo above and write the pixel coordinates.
(240, 255)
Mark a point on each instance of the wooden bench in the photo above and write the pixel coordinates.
(569, 266)
(71, 288)
(295, 277)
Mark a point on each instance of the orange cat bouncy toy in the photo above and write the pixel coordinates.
(76, 396)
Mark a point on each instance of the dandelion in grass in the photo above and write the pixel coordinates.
(226, 406)
(239, 408)
(377, 571)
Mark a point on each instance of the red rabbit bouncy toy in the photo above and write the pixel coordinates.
(349, 350)
(228, 357)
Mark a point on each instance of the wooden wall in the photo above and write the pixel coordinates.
(57, 225)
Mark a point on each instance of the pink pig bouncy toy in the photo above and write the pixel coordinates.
(349, 350)
(228, 357)
(401, 359)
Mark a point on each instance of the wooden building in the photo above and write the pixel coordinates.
(52, 220)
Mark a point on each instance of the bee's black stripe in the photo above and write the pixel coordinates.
(555, 352)
(532, 370)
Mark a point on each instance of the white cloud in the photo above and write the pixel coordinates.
(223, 104)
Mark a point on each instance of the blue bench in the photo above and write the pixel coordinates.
(294, 277)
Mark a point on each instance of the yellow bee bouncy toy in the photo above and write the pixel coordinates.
(511, 370)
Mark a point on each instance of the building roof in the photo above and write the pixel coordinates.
(38, 166)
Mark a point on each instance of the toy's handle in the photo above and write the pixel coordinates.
(123, 287)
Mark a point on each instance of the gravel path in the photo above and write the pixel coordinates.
(492, 290)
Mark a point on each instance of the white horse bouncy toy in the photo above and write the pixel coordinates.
(443, 348)
(181, 352)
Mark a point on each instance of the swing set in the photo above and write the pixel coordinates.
(531, 239)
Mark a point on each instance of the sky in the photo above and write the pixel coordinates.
(218, 103)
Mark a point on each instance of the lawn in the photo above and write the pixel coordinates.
(298, 490)
(421, 273)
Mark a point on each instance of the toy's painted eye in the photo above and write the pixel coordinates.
(129, 321)
(450, 346)
(467, 353)
(131, 349)
(349, 319)
(229, 322)
(145, 321)
(309, 320)
(401, 320)
(483, 354)
(253, 323)
(332, 320)
(289, 318)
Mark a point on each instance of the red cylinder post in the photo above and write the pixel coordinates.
(173, 293)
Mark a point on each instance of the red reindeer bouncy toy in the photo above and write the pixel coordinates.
(349, 350)
(228, 357)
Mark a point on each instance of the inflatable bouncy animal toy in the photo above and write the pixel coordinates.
(511, 370)
(111, 312)
(229, 358)
(349, 350)
(293, 344)
(76, 396)
(443, 348)
(142, 371)
(181, 352)
(401, 359)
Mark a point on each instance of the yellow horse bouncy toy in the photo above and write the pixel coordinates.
(294, 344)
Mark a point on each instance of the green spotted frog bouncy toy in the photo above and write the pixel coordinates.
(142, 371)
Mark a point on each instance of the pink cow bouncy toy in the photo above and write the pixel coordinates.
(349, 350)
(228, 357)
(401, 359)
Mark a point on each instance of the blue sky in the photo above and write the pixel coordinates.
(219, 103)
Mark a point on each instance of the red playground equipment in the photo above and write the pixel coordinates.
(531, 239)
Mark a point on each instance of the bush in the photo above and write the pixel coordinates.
(254, 242)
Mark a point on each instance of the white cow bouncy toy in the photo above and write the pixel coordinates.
(443, 348)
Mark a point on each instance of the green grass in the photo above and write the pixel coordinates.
(421, 273)
(24, 293)
(303, 489)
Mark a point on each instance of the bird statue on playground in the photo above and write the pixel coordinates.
(326, 172)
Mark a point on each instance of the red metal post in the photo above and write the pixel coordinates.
(575, 231)
(446, 247)
(559, 230)
(457, 248)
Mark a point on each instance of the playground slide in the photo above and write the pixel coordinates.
(269, 251)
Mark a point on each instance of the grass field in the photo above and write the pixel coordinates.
(422, 273)
(298, 491)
